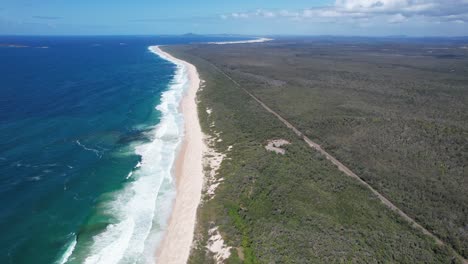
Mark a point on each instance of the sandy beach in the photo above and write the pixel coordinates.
(176, 244)
(259, 40)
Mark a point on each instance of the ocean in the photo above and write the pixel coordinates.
(89, 130)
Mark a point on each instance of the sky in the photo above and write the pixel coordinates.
(250, 17)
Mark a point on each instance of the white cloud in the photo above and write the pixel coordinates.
(398, 18)
(264, 13)
(396, 11)
(386, 6)
(239, 15)
(287, 13)
(329, 13)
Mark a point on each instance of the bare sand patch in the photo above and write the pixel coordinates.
(276, 144)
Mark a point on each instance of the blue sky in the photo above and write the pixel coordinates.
(255, 17)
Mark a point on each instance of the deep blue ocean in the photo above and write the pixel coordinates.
(73, 112)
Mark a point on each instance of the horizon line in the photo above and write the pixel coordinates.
(233, 35)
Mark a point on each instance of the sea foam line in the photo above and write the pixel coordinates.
(145, 200)
(95, 151)
(68, 252)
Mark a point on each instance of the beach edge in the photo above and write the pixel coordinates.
(178, 237)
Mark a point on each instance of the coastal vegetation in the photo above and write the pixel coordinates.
(394, 113)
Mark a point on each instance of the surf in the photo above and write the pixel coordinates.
(138, 213)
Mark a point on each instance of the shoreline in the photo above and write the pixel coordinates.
(258, 40)
(188, 171)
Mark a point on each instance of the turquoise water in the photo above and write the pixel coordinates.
(89, 128)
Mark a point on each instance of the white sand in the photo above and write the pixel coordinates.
(216, 245)
(241, 41)
(212, 161)
(176, 245)
(276, 144)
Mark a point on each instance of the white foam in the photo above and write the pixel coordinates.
(95, 151)
(129, 175)
(146, 201)
(68, 252)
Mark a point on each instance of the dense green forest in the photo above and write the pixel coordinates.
(397, 121)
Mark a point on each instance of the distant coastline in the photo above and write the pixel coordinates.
(259, 40)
